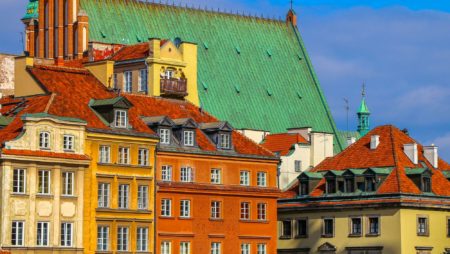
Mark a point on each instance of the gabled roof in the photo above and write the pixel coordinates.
(158, 120)
(282, 143)
(223, 125)
(118, 101)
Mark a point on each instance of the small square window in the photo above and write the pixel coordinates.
(68, 142)
(298, 166)
(186, 175)
(121, 119)
(188, 138)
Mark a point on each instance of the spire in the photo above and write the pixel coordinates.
(363, 114)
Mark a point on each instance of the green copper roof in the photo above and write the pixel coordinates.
(32, 10)
(265, 59)
(363, 107)
(5, 120)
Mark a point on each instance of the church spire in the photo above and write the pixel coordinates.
(363, 115)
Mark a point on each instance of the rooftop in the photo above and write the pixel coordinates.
(283, 143)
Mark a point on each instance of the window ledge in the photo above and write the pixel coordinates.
(372, 235)
(121, 210)
(24, 195)
(301, 236)
(69, 196)
(123, 165)
(69, 151)
(355, 235)
(423, 234)
(167, 217)
(214, 219)
(327, 236)
(185, 218)
(44, 195)
(285, 237)
(253, 221)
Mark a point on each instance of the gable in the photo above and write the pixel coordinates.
(170, 51)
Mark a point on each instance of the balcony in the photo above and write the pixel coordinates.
(174, 87)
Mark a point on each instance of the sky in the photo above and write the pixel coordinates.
(400, 49)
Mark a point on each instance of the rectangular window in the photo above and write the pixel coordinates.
(422, 226)
(374, 226)
(122, 238)
(166, 207)
(103, 195)
(262, 179)
(188, 138)
(19, 181)
(120, 119)
(143, 157)
(44, 140)
(164, 136)
(331, 185)
(185, 208)
(262, 248)
(124, 155)
(245, 178)
(124, 194)
(216, 176)
(355, 226)
(245, 211)
(17, 233)
(68, 143)
(215, 210)
(245, 248)
(143, 74)
(186, 175)
(68, 179)
(426, 184)
(102, 238)
(185, 248)
(142, 197)
(42, 234)
(349, 184)
(304, 188)
(225, 141)
(115, 81)
(215, 248)
(128, 81)
(298, 166)
(262, 211)
(44, 182)
(286, 229)
(142, 239)
(104, 154)
(328, 227)
(166, 247)
(302, 227)
(371, 184)
(166, 173)
(66, 234)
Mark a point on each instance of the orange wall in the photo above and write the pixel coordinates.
(200, 230)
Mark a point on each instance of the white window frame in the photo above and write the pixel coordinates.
(44, 140)
(123, 238)
(216, 176)
(185, 248)
(44, 182)
(216, 210)
(166, 207)
(143, 155)
(261, 179)
(169, 74)
(68, 181)
(124, 155)
(225, 141)
(68, 142)
(66, 234)
(262, 211)
(245, 248)
(185, 208)
(164, 136)
(128, 81)
(142, 239)
(186, 174)
(245, 178)
(19, 185)
(166, 173)
(166, 247)
(245, 211)
(261, 248)
(17, 237)
(104, 154)
(143, 197)
(124, 196)
(120, 118)
(188, 138)
(143, 80)
(103, 238)
(104, 192)
(216, 247)
(43, 233)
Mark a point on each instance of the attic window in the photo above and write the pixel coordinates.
(331, 185)
(426, 184)
(349, 184)
(44, 140)
(225, 141)
(371, 183)
(188, 138)
(120, 118)
(164, 136)
(304, 188)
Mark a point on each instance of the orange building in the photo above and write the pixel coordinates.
(216, 189)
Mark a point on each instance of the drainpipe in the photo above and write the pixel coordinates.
(154, 201)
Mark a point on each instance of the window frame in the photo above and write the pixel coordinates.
(225, 141)
(123, 243)
(142, 241)
(261, 248)
(68, 142)
(283, 233)
(48, 184)
(186, 174)
(105, 194)
(123, 196)
(297, 231)
(44, 140)
(124, 155)
(143, 197)
(104, 152)
(216, 176)
(143, 157)
(258, 179)
(297, 166)
(246, 248)
(325, 234)
(216, 210)
(166, 207)
(128, 81)
(141, 80)
(164, 136)
(16, 240)
(244, 178)
(245, 211)
(189, 138)
(64, 237)
(352, 233)
(121, 118)
(65, 190)
(185, 208)
(166, 173)
(185, 247)
(166, 247)
(21, 181)
(426, 184)
(369, 229)
(105, 232)
(216, 247)
(427, 225)
(43, 233)
(261, 216)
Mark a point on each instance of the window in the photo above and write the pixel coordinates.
(426, 184)
(103, 195)
(142, 239)
(215, 210)
(124, 155)
(120, 119)
(66, 234)
(68, 142)
(422, 226)
(225, 141)
(166, 207)
(42, 234)
(164, 136)
(185, 248)
(67, 178)
(128, 81)
(371, 184)
(245, 248)
(349, 184)
(215, 248)
(143, 74)
(169, 74)
(262, 211)
(44, 182)
(17, 233)
(374, 226)
(115, 81)
(188, 138)
(216, 176)
(262, 248)
(302, 227)
(262, 179)
(186, 175)
(286, 229)
(355, 226)
(245, 211)
(331, 185)
(304, 188)
(142, 197)
(185, 208)
(124, 192)
(19, 181)
(122, 238)
(298, 166)
(143, 157)
(166, 173)
(328, 227)
(166, 248)
(105, 154)
(245, 178)
(102, 238)
(44, 140)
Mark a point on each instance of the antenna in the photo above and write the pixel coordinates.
(364, 89)
(347, 108)
(292, 4)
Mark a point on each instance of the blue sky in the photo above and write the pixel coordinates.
(401, 49)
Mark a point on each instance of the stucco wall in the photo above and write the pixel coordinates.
(6, 74)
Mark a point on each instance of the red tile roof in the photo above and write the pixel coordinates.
(136, 51)
(283, 142)
(45, 154)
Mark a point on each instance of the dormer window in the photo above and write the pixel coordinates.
(304, 188)
(349, 184)
(426, 184)
(371, 183)
(225, 140)
(44, 140)
(188, 138)
(120, 119)
(164, 136)
(331, 185)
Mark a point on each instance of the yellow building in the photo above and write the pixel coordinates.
(383, 194)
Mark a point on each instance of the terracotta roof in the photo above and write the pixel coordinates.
(283, 142)
(45, 154)
(136, 51)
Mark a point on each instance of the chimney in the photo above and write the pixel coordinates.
(351, 141)
(411, 151)
(374, 142)
(431, 154)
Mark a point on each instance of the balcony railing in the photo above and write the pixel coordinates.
(174, 87)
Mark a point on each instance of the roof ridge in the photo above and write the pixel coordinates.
(61, 68)
(394, 153)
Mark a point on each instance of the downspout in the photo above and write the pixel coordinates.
(154, 201)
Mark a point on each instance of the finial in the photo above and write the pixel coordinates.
(292, 4)
(364, 89)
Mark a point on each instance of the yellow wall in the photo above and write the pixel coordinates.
(103, 71)
(25, 84)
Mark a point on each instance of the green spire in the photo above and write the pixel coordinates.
(363, 108)
(363, 115)
(32, 10)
